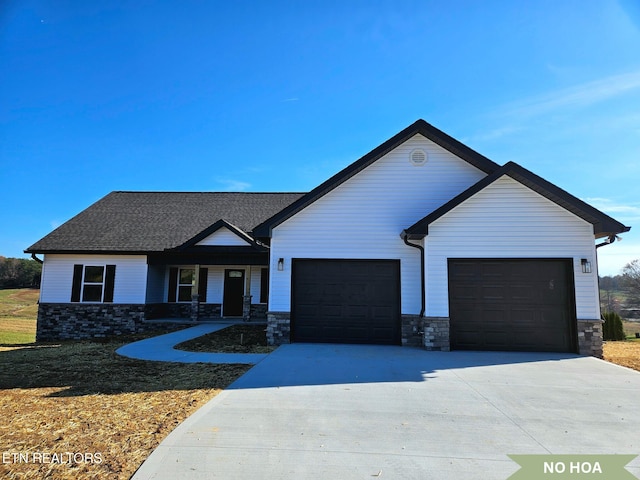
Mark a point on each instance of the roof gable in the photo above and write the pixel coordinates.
(207, 236)
(419, 127)
(603, 225)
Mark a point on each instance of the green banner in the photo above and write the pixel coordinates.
(572, 467)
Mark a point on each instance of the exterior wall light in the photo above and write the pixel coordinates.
(281, 264)
(586, 265)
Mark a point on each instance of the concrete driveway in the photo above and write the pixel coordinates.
(361, 412)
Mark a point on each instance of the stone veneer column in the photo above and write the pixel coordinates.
(278, 328)
(436, 334)
(412, 331)
(590, 338)
(246, 307)
(195, 307)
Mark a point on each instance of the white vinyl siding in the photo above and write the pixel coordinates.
(223, 237)
(508, 220)
(364, 216)
(130, 279)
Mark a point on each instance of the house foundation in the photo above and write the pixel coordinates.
(69, 321)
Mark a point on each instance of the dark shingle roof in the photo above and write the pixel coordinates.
(140, 222)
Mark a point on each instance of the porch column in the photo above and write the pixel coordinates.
(246, 299)
(195, 297)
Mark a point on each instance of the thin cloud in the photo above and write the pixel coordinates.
(622, 211)
(577, 96)
(232, 185)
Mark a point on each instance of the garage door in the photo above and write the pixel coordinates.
(520, 305)
(346, 301)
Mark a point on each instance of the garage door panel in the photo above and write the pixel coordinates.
(359, 301)
(527, 305)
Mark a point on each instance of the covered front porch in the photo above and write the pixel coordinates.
(212, 283)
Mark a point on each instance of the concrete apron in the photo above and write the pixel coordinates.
(346, 411)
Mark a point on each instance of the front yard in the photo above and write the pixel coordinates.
(76, 410)
(107, 411)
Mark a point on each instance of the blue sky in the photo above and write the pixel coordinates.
(106, 95)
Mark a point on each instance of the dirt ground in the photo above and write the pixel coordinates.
(626, 353)
(78, 411)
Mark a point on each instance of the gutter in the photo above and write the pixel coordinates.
(403, 235)
(611, 239)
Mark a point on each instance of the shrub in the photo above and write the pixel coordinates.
(612, 328)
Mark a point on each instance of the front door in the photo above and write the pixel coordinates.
(233, 293)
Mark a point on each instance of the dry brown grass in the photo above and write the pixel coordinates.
(83, 398)
(626, 353)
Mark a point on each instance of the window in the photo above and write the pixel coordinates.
(181, 282)
(93, 283)
(185, 284)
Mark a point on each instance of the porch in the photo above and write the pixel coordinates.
(210, 284)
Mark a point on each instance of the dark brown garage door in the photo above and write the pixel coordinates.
(520, 305)
(346, 301)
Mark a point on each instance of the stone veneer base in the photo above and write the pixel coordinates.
(590, 338)
(412, 330)
(436, 334)
(81, 321)
(278, 328)
(74, 321)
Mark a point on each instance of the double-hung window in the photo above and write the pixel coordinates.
(181, 282)
(185, 284)
(93, 283)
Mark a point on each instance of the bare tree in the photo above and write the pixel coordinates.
(631, 275)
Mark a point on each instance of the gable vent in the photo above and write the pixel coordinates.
(418, 157)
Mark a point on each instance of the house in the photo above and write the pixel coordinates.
(421, 242)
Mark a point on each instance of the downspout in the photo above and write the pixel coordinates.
(403, 235)
(33, 256)
(608, 241)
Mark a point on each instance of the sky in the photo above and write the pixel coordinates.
(97, 96)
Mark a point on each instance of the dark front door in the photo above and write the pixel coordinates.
(512, 304)
(233, 293)
(346, 301)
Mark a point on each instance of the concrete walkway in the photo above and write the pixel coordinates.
(161, 348)
(363, 411)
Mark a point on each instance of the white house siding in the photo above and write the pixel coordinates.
(130, 281)
(508, 220)
(223, 237)
(364, 216)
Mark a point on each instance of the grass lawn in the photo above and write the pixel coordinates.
(18, 311)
